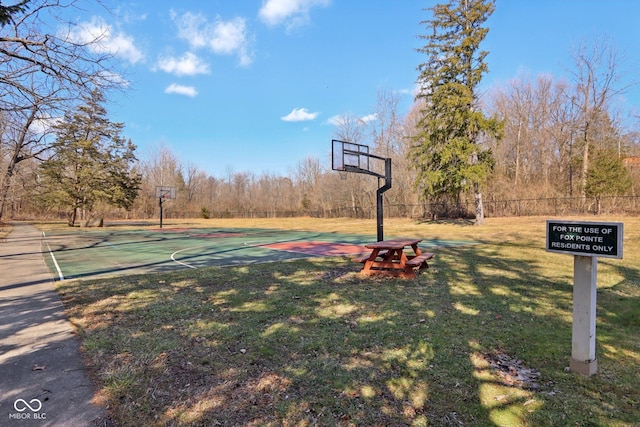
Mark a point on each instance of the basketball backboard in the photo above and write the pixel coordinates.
(163, 192)
(352, 157)
(349, 156)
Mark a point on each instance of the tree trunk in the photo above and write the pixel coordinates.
(354, 208)
(585, 164)
(517, 172)
(17, 157)
(72, 217)
(6, 184)
(479, 205)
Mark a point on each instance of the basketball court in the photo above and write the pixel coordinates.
(89, 253)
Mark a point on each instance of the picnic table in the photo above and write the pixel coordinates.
(388, 258)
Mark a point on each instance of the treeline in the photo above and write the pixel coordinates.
(560, 138)
(539, 157)
(565, 143)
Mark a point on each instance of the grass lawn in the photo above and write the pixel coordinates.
(482, 338)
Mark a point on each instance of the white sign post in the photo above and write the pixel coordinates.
(586, 241)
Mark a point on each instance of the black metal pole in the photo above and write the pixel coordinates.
(160, 203)
(380, 214)
(380, 199)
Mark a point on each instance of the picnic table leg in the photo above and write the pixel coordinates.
(407, 270)
(388, 257)
(366, 268)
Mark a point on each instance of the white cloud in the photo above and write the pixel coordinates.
(181, 90)
(188, 65)
(299, 115)
(101, 38)
(114, 78)
(293, 12)
(369, 118)
(413, 91)
(346, 119)
(227, 37)
(221, 37)
(337, 120)
(44, 125)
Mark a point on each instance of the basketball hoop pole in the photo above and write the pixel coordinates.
(380, 199)
(160, 200)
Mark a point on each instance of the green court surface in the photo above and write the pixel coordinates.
(75, 254)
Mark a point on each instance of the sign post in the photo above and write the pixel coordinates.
(586, 241)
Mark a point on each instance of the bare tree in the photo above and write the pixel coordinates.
(45, 70)
(307, 180)
(596, 77)
(389, 135)
(194, 185)
(386, 124)
(533, 155)
(352, 189)
(160, 167)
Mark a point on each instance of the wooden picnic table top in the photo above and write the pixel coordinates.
(393, 244)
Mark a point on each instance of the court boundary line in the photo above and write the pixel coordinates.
(53, 258)
(184, 263)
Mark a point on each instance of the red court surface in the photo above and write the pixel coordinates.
(319, 248)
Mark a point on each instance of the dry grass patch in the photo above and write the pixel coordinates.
(481, 338)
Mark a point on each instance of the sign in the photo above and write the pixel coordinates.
(586, 241)
(599, 239)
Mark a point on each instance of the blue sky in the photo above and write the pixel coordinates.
(255, 85)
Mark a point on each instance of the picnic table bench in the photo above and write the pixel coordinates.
(388, 258)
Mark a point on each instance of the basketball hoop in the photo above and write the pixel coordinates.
(351, 157)
(164, 194)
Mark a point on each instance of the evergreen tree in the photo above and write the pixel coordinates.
(91, 162)
(607, 176)
(448, 155)
(45, 72)
(7, 12)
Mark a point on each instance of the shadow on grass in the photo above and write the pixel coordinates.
(309, 342)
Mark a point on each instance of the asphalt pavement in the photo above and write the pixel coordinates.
(43, 381)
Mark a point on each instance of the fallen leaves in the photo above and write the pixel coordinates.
(512, 370)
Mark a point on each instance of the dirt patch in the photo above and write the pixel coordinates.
(512, 370)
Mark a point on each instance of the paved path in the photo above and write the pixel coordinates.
(42, 379)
